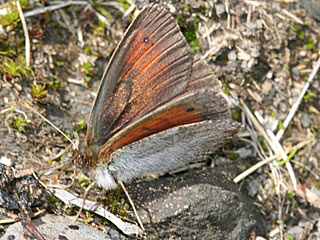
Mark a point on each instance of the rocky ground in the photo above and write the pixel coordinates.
(265, 53)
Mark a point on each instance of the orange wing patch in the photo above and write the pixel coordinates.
(138, 48)
(151, 50)
(176, 116)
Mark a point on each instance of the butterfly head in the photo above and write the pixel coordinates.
(84, 159)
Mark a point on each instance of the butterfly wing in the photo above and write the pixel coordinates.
(165, 151)
(201, 101)
(199, 122)
(150, 67)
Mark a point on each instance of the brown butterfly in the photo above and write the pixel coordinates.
(158, 106)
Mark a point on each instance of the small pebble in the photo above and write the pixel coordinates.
(220, 9)
(232, 56)
(266, 87)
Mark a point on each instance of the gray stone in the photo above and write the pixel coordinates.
(59, 227)
(295, 232)
(305, 120)
(312, 7)
(244, 152)
(201, 204)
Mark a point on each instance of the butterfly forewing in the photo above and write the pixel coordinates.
(151, 66)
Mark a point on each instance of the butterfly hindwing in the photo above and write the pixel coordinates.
(167, 150)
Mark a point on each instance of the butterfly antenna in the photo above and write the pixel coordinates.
(26, 105)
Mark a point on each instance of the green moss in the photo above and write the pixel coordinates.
(83, 180)
(39, 91)
(52, 162)
(56, 84)
(71, 210)
(310, 45)
(8, 51)
(237, 116)
(273, 114)
(99, 30)
(281, 126)
(310, 97)
(88, 79)
(227, 91)
(15, 68)
(125, 4)
(71, 7)
(66, 139)
(60, 64)
(89, 218)
(261, 141)
(88, 69)
(11, 18)
(234, 156)
(190, 33)
(291, 195)
(103, 11)
(57, 24)
(180, 20)
(19, 124)
(287, 66)
(295, 28)
(192, 40)
(24, 4)
(305, 79)
(301, 35)
(53, 199)
(88, 50)
(81, 124)
(116, 202)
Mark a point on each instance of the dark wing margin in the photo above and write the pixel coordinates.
(151, 66)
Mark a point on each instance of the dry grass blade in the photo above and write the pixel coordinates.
(26, 105)
(132, 204)
(53, 8)
(278, 150)
(15, 218)
(127, 228)
(292, 16)
(26, 33)
(285, 158)
(295, 106)
(86, 191)
(268, 160)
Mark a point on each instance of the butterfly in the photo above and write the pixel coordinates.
(158, 106)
